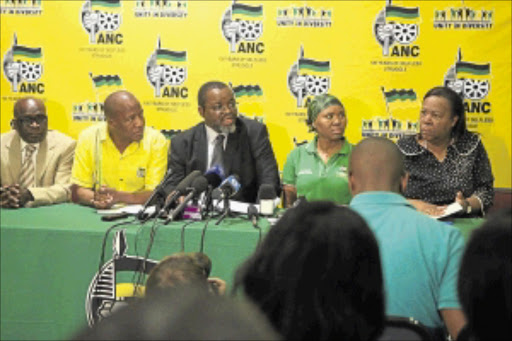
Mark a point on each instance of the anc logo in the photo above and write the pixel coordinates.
(308, 77)
(105, 294)
(93, 111)
(23, 68)
(304, 16)
(167, 69)
(160, 9)
(396, 28)
(389, 126)
(243, 25)
(101, 19)
(21, 7)
(468, 79)
(472, 81)
(249, 100)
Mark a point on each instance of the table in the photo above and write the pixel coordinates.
(49, 256)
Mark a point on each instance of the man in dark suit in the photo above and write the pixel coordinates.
(239, 145)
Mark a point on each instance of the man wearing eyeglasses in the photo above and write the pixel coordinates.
(240, 146)
(36, 162)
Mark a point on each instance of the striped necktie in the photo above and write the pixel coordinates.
(27, 174)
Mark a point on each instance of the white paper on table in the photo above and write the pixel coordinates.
(238, 206)
(450, 210)
(130, 209)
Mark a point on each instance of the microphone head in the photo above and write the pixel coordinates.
(199, 184)
(217, 169)
(229, 187)
(187, 181)
(213, 179)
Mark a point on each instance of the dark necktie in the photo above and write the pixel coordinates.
(218, 151)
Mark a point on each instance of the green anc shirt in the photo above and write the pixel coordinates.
(316, 180)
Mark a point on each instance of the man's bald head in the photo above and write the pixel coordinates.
(119, 101)
(28, 104)
(30, 119)
(376, 164)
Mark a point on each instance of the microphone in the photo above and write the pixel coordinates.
(228, 188)
(214, 176)
(252, 213)
(266, 196)
(180, 190)
(199, 185)
(155, 197)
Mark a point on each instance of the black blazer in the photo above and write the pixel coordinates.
(248, 154)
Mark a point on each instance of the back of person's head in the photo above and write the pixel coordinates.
(485, 279)
(317, 275)
(376, 164)
(192, 314)
(179, 269)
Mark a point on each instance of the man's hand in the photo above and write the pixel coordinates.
(103, 198)
(217, 285)
(10, 196)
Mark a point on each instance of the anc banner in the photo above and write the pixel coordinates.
(378, 57)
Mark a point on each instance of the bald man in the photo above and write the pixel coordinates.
(120, 160)
(36, 162)
(420, 256)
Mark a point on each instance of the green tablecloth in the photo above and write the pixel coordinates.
(49, 256)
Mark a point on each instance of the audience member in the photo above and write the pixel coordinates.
(181, 269)
(318, 170)
(420, 256)
(485, 279)
(191, 314)
(446, 162)
(238, 145)
(121, 161)
(317, 275)
(35, 162)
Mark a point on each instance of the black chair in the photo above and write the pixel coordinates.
(404, 328)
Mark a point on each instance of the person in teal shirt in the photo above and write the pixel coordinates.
(318, 170)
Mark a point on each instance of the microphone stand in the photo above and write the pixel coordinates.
(227, 211)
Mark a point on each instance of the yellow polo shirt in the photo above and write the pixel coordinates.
(98, 162)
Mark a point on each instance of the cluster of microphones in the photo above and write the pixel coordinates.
(204, 193)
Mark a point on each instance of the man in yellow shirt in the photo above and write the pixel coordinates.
(121, 161)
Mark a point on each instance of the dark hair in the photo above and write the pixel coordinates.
(485, 279)
(191, 314)
(201, 94)
(179, 269)
(317, 275)
(456, 105)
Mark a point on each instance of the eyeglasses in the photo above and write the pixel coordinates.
(218, 107)
(28, 120)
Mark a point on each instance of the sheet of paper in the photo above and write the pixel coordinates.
(130, 209)
(450, 210)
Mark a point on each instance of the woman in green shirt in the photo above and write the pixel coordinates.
(318, 170)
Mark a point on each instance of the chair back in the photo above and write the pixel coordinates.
(404, 328)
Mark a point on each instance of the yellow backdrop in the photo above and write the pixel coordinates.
(378, 57)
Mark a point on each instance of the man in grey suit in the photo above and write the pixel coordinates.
(243, 144)
(36, 163)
